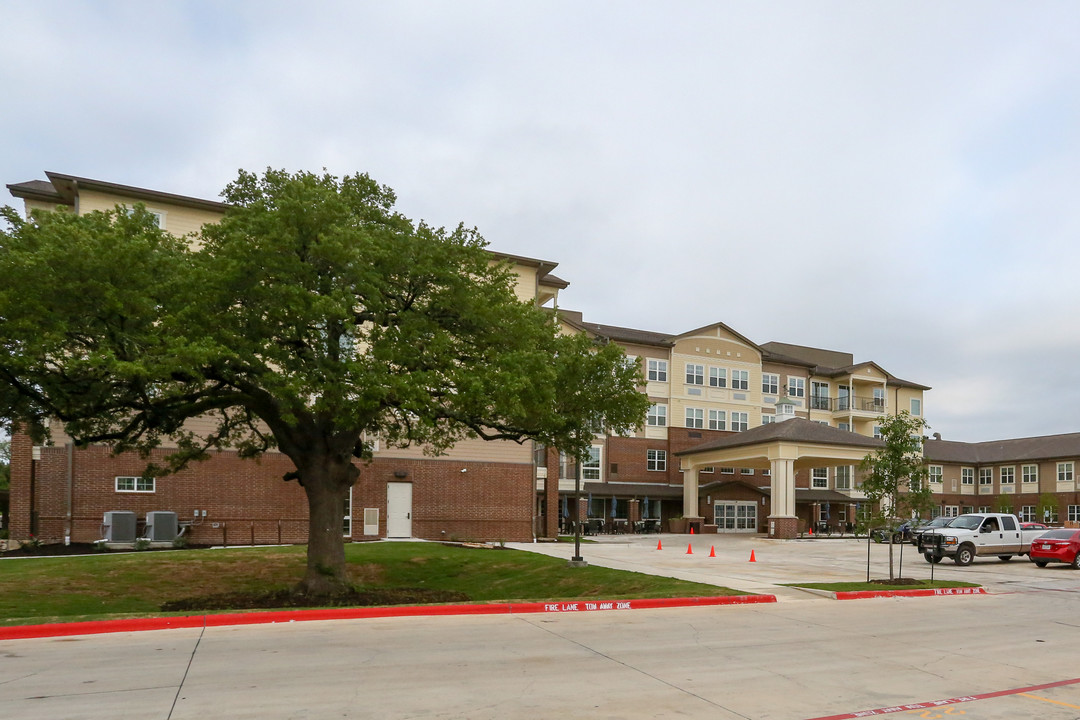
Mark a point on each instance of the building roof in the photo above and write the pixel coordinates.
(798, 430)
(602, 490)
(629, 335)
(1047, 447)
(801, 494)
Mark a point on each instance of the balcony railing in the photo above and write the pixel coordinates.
(847, 404)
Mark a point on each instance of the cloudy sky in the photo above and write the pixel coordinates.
(898, 180)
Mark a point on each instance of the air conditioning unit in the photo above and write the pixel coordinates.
(119, 526)
(161, 526)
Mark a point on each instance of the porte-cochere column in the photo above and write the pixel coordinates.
(783, 523)
(690, 495)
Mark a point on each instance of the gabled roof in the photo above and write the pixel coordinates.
(63, 189)
(1047, 447)
(798, 430)
(727, 328)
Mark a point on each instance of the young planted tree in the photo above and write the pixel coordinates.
(313, 319)
(895, 479)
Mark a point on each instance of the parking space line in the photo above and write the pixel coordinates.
(1056, 702)
(951, 701)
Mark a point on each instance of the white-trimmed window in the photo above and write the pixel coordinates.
(916, 407)
(717, 377)
(767, 418)
(657, 416)
(1065, 472)
(740, 421)
(695, 418)
(127, 483)
(158, 215)
(819, 395)
(708, 469)
(819, 477)
(877, 432)
(951, 510)
(935, 474)
(657, 370)
(967, 476)
(346, 521)
(590, 469)
(1007, 475)
(717, 420)
(843, 477)
(1030, 474)
(879, 398)
(695, 374)
(1074, 513)
(770, 384)
(657, 460)
(740, 379)
(1027, 513)
(746, 471)
(796, 386)
(986, 476)
(727, 471)
(843, 426)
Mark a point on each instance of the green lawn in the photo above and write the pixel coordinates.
(51, 589)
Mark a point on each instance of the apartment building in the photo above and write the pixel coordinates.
(477, 490)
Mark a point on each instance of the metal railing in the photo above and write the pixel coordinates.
(848, 403)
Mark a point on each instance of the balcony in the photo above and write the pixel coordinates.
(849, 405)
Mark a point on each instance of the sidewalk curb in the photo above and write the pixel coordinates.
(923, 592)
(96, 627)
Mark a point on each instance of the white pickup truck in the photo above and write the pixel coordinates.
(977, 535)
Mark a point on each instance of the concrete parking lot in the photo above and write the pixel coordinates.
(803, 657)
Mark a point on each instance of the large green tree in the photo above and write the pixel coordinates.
(313, 318)
(895, 480)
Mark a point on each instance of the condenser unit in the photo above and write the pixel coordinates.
(161, 526)
(119, 526)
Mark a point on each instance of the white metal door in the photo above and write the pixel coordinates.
(398, 510)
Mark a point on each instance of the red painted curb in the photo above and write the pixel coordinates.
(922, 592)
(96, 627)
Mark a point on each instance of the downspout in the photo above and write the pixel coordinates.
(70, 490)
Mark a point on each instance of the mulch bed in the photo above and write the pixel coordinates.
(293, 599)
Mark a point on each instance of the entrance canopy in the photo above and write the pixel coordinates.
(781, 447)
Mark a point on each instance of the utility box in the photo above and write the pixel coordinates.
(119, 526)
(161, 526)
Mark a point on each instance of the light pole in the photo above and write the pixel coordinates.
(577, 560)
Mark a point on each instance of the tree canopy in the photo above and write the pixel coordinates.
(313, 318)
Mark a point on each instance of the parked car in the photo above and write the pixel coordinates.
(900, 533)
(978, 535)
(1061, 545)
(1033, 526)
(938, 522)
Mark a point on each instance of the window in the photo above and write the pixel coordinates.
(967, 476)
(740, 421)
(657, 460)
(1030, 474)
(135, 484)
(966, 510)
(767, 418)
(657, 416)
(727, 471)
(717, 420)
(740, 380)
(658, 370)
(843, 426)
(877, 432)
(346, 522)
(695, 418)
(590, 469)
(1074, 513)
(770, 384)
(951, 511)
(796, 386)
(984, 508)
(819, 477)
(695, 374)
(935, 473)
(986, 476)
(1007, 475)
(879, 398)
(819, 395)
(708, 469)
(916, 407)
(1027, 513)
(843, 477)
(717, 377)
(746, 471)
(1065, 472)
(159, 216)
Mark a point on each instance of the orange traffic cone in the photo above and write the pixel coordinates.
(752, 556)
(659, 545)
(689, 549)
(811, 532)
(691, 529)
(712, 551)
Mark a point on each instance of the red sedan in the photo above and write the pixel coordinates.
(1056, 546)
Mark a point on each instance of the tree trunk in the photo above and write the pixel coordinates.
(326, 482)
